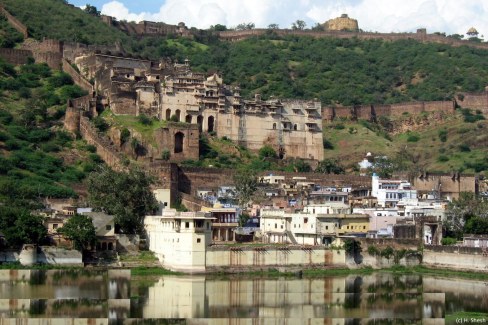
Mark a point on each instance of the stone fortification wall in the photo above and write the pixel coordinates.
(370, 112)
(193, 178)
(193, 203)
(77, 78)
(104, 148)
(449, 185)
(15, 56)
(243, 259)
(477, 101)
(52, 59)
(421, 36)
(455, 257)
(21, 28)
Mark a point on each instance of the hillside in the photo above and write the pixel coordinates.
(444, 144)
(336, 71)
(37, 158)
(56, 20)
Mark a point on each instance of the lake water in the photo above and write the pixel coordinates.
(102, 297)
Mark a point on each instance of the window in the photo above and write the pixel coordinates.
(108, 227)
(364, 227)
(187, 225)
(326, 227)
(305, 220)
(281, 226)
(276, 226)
(198, 240)
(55, 226)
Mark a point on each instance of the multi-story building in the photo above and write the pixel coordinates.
(390, 192)
(174, 92)
(179, 239)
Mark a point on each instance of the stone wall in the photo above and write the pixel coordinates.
(371, 112)
(242, 259)
(193, 178)
(193, 203)
(104, 148)
(421, 36)
(15, 56)
(474, 101)
(455, 257)
(77, 78)
(449, 185)
(21, 28)
(52, 59)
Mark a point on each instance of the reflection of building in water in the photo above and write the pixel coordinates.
(176, 297)
(332, 298)
(196, 297)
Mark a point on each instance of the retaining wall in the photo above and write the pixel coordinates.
(458, 258)
(237, 259)
(192, 203)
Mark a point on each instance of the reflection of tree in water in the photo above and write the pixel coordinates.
(37, 307)
(38, 277)
(353, 293)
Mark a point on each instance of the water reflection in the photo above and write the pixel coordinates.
(318, 298)
(115, 296)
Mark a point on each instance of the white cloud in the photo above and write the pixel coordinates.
(449, 16)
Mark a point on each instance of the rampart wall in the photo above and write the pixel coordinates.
(371, 112)
(104, 148)
(478, 101)
(15, 56)
(193, 203)
(52, 59)
(420, 35)
(193, 178)
(77, 78)
(21, 28)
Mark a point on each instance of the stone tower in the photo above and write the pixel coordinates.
(342, 23)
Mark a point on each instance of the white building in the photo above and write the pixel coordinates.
(390, 192)
(179, 239)
(163, 197)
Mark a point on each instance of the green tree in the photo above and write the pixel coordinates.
(19, 226)
(267, 152)
(466, 214)
(246, 183)
(298, 25)
(80, 230)
(330, 166)
(92, 10)
(125, 195)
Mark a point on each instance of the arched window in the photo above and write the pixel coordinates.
(274, 126)
(178, 114)
(210, 125)
(295, 127)
(179, 142)
(168, 114)
(200, 123)
(188, 119)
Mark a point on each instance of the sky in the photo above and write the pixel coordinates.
(385, 16)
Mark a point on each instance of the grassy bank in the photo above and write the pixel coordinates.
(145, 271)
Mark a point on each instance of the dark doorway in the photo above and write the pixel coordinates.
(179, 142)
(168, 114)
(188, 119)
(200, 123)
(178, 114)
(210, 124)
